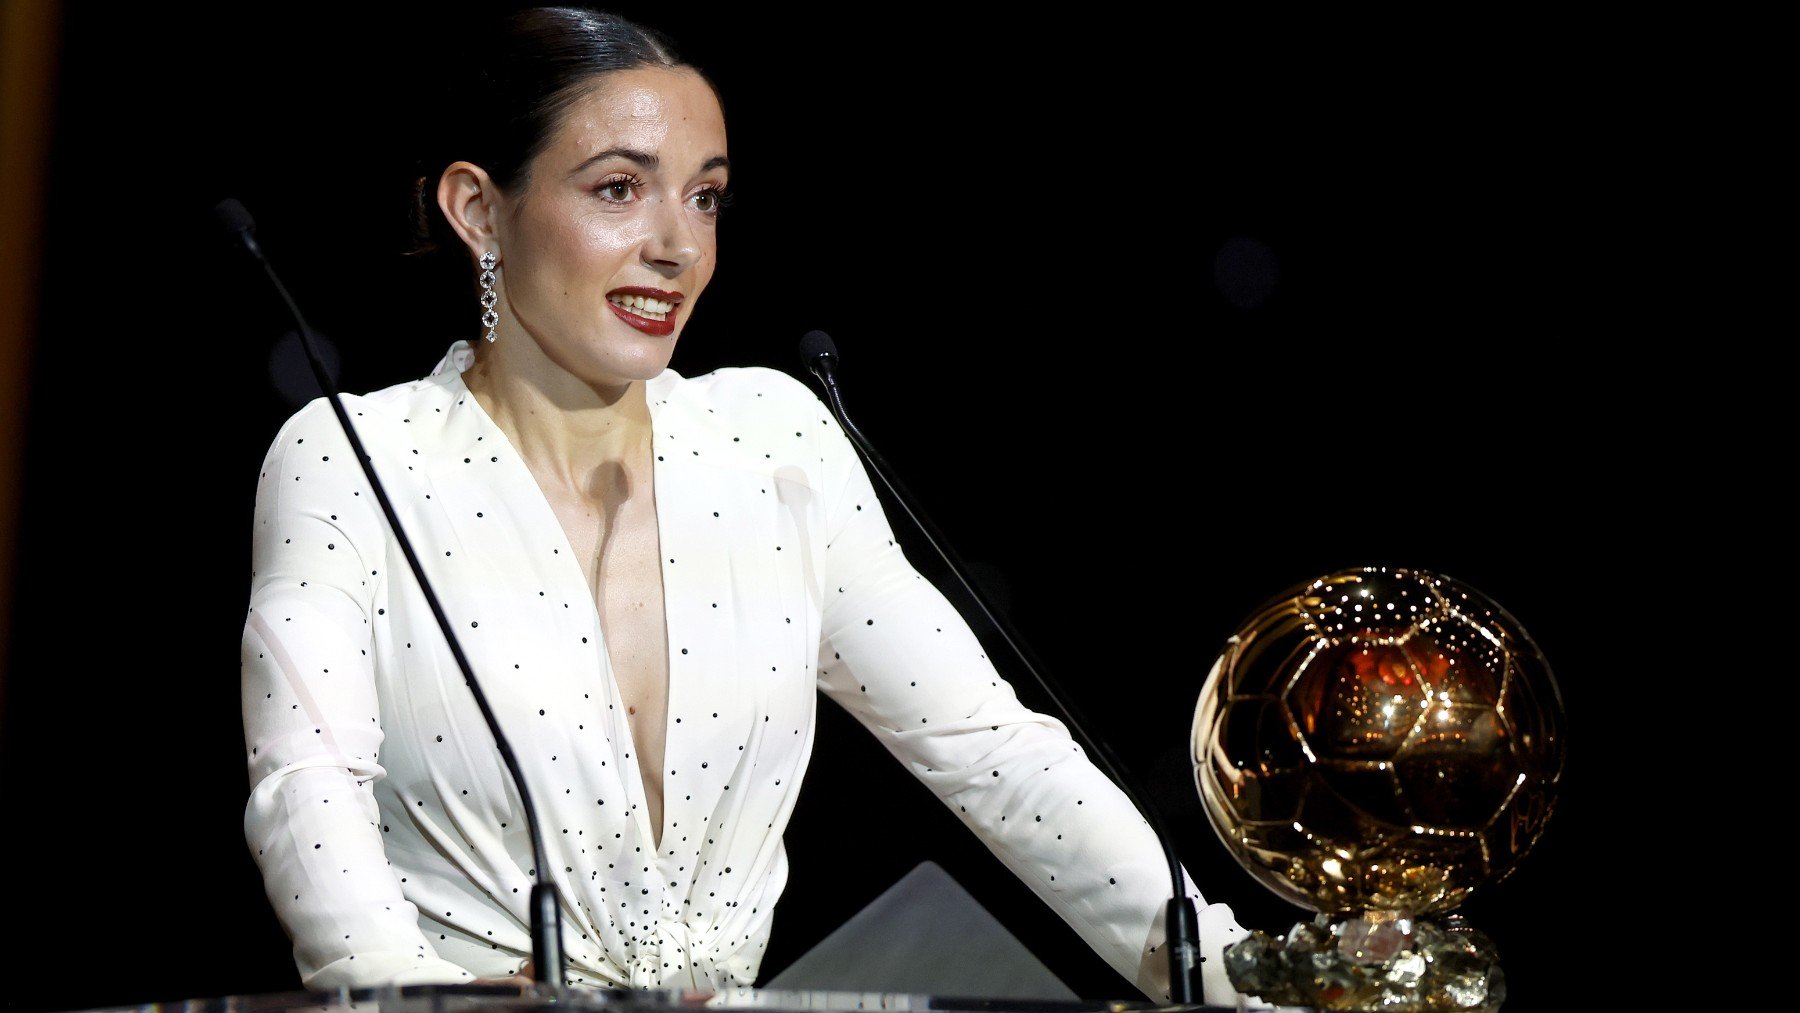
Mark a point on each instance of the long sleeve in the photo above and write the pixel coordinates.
(312, 718)
(391, 837)
(903, 661)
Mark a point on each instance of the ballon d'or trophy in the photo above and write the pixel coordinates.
(1373, 746)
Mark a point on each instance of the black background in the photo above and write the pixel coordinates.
(1013, 227)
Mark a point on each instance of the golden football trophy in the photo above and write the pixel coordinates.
(1374, 745)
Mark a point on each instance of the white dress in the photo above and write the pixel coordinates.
(391, 840)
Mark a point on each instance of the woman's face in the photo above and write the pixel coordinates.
(608, 245)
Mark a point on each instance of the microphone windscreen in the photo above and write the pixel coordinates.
(814, 344)
(233, 216)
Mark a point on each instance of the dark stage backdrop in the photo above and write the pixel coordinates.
(1158, 313)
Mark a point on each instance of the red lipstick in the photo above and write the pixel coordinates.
(658, 328)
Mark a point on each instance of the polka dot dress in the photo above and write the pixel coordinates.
(391, 840)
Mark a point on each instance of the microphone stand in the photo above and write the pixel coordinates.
(547, 956)
(819, 354)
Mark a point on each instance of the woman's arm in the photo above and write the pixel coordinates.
(312, 719)
(900, 658)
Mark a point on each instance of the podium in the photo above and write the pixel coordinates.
(513, 999)
(924, 944)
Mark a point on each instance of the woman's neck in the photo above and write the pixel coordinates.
(565, 429)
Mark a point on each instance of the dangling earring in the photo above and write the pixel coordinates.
(489, 316)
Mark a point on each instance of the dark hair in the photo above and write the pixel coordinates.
(534, 64)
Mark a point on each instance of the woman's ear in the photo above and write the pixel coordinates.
(469, 199)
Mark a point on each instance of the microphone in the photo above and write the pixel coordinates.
(818, 353)
(547, 954)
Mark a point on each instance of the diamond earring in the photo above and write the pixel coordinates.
(489, 317)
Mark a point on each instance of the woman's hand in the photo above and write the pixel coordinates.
(526, 978)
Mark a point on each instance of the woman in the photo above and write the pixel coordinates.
(651, 575)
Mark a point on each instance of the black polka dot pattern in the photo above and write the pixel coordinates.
(381, 816)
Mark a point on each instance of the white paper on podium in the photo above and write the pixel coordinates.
(925, 935)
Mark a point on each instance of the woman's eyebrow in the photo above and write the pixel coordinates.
(646, 159)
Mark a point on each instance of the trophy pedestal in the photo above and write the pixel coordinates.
(1379, 960)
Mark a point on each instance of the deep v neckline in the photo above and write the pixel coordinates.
(574, 573)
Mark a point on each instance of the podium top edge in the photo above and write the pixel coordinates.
(513, 999)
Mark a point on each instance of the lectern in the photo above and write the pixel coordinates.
(510, 999)
(924, 944)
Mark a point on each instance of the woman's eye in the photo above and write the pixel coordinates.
(710, 200)
(615, 190)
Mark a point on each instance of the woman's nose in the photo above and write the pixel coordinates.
(673, 243)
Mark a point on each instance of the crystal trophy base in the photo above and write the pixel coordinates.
(1379, 960)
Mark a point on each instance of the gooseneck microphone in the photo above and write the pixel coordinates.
(547, 954)
(818, 353)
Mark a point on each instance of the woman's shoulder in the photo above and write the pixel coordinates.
(754, 414)
(401, 403)
(735, 383)
(745, 393)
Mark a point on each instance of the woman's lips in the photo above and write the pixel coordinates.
(649, 310)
